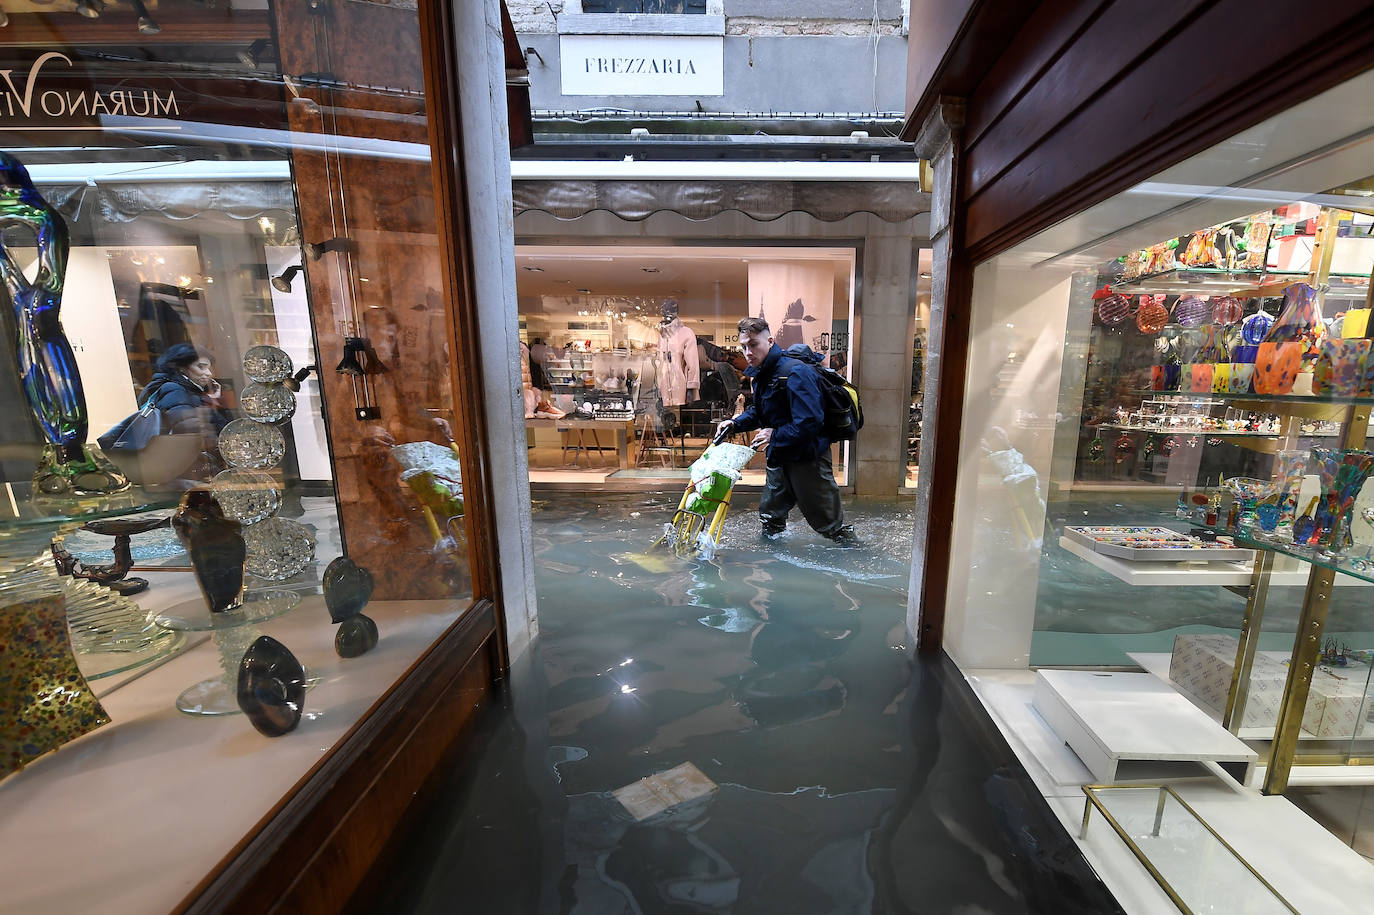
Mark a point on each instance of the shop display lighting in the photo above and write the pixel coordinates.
(91, 9)
(253, 55)
(282, 283)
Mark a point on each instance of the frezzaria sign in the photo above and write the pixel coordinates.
(688, 65)
(37, 95)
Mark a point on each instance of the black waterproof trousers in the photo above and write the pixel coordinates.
(808, 485)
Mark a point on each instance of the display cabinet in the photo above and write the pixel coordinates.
(1289, 393)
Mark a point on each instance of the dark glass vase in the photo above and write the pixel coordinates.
(215, 544)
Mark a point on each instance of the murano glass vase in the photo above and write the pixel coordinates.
(1292, 341)
(1248, 494)
(47, 365)
(1289, 468)
(1343, 474)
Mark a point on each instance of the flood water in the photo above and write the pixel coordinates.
(812, 763)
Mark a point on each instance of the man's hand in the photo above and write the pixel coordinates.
(724, 428)
(761, 438)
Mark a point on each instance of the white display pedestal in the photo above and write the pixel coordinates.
(1111, 718)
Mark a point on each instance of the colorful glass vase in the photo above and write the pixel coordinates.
(1342, 475)
(1340, 368)
(1255, 328)
(1151, 315)
(1248, 493)
(1289, 469)
(1191, 310)
(47, 364)
(1277, 366)
(1226, 310)
(1112, 307)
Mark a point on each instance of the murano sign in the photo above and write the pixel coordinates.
(37, 96)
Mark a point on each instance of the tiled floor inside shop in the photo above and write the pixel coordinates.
(745, 735)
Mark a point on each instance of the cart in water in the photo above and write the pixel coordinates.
(700, 517)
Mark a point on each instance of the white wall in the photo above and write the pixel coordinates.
(1019, 321)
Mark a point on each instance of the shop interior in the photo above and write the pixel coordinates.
(623, 387)
(1167, 409)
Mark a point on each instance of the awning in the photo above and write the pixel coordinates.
(764, 201)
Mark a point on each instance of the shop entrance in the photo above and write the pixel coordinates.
(631, 353)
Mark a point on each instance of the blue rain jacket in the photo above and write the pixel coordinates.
(793, 407)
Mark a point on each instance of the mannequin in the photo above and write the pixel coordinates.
(679, 373)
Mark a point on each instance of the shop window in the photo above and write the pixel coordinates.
(227, 288)
(1163, 392)
(613, 392)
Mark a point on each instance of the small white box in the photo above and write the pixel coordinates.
(1336, 707)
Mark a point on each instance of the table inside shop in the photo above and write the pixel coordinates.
(585, 435)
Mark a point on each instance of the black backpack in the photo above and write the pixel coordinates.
(844, 414)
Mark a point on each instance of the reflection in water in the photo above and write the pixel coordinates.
(847, 778)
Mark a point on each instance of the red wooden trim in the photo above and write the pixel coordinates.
(1053, 27)
(1168, 107)
(1115, 43)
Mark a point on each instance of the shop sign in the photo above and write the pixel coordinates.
(31, 97)
(48, 90)
(642, 64)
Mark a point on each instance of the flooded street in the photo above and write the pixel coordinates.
(749, 734)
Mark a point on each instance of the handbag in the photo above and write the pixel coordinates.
(135, 431)
(144, 447)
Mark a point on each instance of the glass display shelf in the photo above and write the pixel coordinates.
(1192, 863)
(1220, 433)
(1355, 561)
(20, 508)
(1307, 403)
(1208, 280)
(258, 607)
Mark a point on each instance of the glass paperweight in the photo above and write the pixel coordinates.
(267, 403)
(245, 443)
(278, 548)
(247, 496)
(266, 364)
(271, 687)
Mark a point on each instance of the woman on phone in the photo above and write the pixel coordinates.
(184, 389)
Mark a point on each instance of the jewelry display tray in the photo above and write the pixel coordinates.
(1153, 544)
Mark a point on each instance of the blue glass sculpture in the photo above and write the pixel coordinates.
(47, 365)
